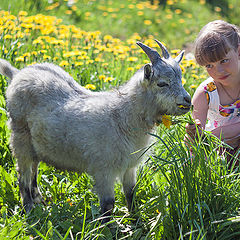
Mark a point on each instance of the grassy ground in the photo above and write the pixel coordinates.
(178, 196)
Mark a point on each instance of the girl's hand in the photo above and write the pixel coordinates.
(191, 130)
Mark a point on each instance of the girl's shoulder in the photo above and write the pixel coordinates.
(208, 89)
(208, 85)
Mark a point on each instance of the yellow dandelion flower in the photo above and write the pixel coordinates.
(68, 12)
(138, 66)
(182, 68)
(108, 79)
(130, 69)
(38, 41)
(105, 64)
(101, 77)
(193, 86)
(132, 59)
(170, 2)
(187, 31)
(175, 51)
(90, 86)
(181, 20)
(20, 59)
(46, 57)
(8, 36)
(122, 56)
(178, 11)
(110, 10)
(78, 63)
(140, 6)
(74, 8)
(217, 9)
(169, 16)
(22, 13)
(183, 81)
(34, 53)
(107, 38)
(166, 120)
(147, 22)
(69, 202)
(195, 76)
(89, 61)
(63, 63)
(203, 76)
(98, 59)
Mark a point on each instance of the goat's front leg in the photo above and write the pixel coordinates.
(129, 182)
(105, 190)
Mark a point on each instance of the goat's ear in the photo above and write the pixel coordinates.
(148, 71)
(179, 57)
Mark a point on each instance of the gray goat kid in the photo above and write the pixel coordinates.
(55, 120)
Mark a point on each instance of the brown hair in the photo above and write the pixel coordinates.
(215, 40)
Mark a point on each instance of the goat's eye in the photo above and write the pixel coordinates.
(162, 84)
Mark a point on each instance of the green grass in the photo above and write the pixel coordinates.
(178, 196)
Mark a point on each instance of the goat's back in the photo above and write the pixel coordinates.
(40, 84)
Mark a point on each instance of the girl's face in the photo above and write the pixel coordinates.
(227, 69)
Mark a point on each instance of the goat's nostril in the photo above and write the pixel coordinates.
(187, 99)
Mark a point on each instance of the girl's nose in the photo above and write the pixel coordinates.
(219, 68)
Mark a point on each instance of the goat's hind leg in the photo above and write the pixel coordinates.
(25, 177)
(24, 152)
(37, 197)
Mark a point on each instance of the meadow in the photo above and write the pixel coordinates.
(179, 195)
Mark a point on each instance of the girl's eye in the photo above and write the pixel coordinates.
(224, 60)
(209, 66)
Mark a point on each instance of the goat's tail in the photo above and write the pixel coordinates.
(7, 69)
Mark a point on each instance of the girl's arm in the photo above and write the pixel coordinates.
(229, 133)
(200, 108)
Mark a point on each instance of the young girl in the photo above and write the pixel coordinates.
(216, 102)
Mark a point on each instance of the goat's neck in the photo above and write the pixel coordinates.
(138, 109)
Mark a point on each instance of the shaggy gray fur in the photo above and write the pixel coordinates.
(55, 120)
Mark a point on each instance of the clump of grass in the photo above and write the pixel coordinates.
(198, 189)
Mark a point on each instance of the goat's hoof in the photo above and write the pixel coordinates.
(38, 199)
(27, 208)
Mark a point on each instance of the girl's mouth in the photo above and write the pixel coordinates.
(223, 77)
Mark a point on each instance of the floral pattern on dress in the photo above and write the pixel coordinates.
(225, 112)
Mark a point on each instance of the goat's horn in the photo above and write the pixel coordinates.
(165, 52)
(152, 54)
(179, 57)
